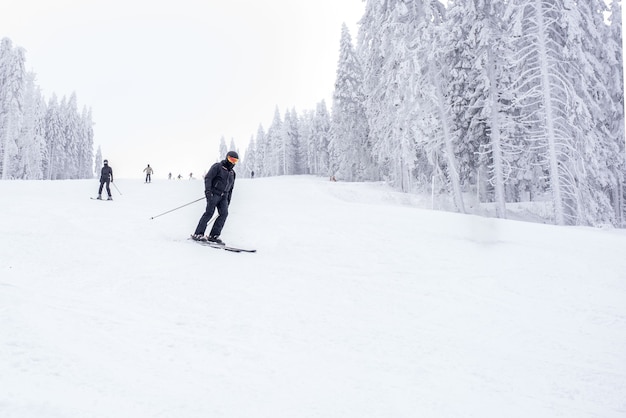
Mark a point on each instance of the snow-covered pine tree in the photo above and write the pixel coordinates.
(543, 73)
(54, 139)
(616, 86)
(261, 152)
(395, 74)
(306, 156)
(600, 169)
(290, 143)
(382, 48)
(98, 162)
(249, 161)
(426, 110)
(12, 84)
(487, 147)
(72, 131)
(566, 98)
(31, 141)
(61, 155)
(321, 139)
(38, 141)
(299, 144)
(86, 144)
(457, 39)
(223, 149)
(350, 150)
(232, 146)
(275, 146)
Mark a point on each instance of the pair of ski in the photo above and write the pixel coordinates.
(224, 247)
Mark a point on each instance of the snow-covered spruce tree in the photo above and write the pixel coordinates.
(565, 99)
(232, 146)
(31, 142)
(305, 134)
(72, 131)
(486, 144)
(64, 153)
(601, 170)
(465, 98)
(261, 152)
(350, 150)
(38, 141)
(616, 87)
(249, 160)
(12, 84)
(223, 150)
(86, 144)
(592, 172)
(98, 162)
(289, 135)
(54, 139)
(276, 144)
(382, 48)
(300, 143)
(426, 110)
(321, 139)
(395, 77)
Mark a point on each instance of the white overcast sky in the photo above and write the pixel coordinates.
(165, 80)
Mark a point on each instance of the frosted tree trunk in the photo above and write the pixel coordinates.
(496, 140)
(284, 150)
(453, 171)
(555, 182)
(52, 157)
(6, 159)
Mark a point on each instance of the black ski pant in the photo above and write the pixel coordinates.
(102, 183)
(220, 203)
(148, 178)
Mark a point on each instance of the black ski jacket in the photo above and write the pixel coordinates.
(106, 174)
(220, 180)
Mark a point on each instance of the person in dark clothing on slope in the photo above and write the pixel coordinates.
(106, 176)
(218, 189)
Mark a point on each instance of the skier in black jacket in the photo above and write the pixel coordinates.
(106, 176)
(218, 189)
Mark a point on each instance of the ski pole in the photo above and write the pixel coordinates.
(172, 210)
(118, 190)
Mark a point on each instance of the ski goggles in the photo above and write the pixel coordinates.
(232, 160)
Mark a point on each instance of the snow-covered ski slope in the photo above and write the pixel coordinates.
(359, 303)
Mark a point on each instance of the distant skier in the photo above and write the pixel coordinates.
(148, 170)
(169, 176)
(218, 189)
(252, 174)
(106, 176)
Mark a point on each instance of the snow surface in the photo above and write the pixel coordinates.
(359, 303)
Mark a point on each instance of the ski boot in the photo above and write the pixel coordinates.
(215, 239)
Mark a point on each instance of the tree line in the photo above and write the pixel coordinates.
(506, 100)
(39, 139)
